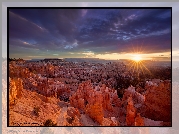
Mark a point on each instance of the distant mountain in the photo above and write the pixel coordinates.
(35, 59)
(90, 60)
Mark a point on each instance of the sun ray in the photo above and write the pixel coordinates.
(146, 68)
(133, 68)
(132, 62)
(141, 67)
(137, 61)
(137, 58)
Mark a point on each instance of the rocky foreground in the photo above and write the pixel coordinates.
(88, 106)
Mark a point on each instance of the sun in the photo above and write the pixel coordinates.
(137, 61)
(137, 58)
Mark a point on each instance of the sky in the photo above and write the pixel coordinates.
(90, 33)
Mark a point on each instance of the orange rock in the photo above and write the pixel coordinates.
(109, 122)
(139, 121)
(19, 87)
(157, 102)
(81, 104)
(12, 92)
(131, 112)
(15, 89)
(72, 112)
(95, 112)
(107, 103)
(99, 97)
(116, 101)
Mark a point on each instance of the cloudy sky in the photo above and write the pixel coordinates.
(90, 33)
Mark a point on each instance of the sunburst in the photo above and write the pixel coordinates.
(137, 57)
(136, 63)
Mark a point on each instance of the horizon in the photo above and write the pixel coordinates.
(92, 58)
(109, 34)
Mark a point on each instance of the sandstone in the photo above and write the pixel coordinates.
(107, 102)
(95, 112)
(139, 121)
(109, 122)
(72, 112)
(157, 103)
(15, 90)
(131, 113)
(12, 92)
(81, 103)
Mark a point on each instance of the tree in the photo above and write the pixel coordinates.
(49, 122)
(36, 111)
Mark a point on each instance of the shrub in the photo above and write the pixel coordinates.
(120, 93)
(36, 111)
(64, 98)
(49, 122)
(70, 119)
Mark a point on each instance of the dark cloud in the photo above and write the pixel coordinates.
(49, 31)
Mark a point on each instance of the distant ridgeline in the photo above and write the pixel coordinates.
(81, 59)
(46, 59)
(51, 59)
(14, 59)
(94, 60)
(147, 63)
(90, 60)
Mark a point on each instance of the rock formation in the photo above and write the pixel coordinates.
(110, 122)
(94, 102)
(138, 99)
(95, 111)
(12, 92)
(131, 113)
(15, 90)
(72, 117)
(139, 121)
(157, 102)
